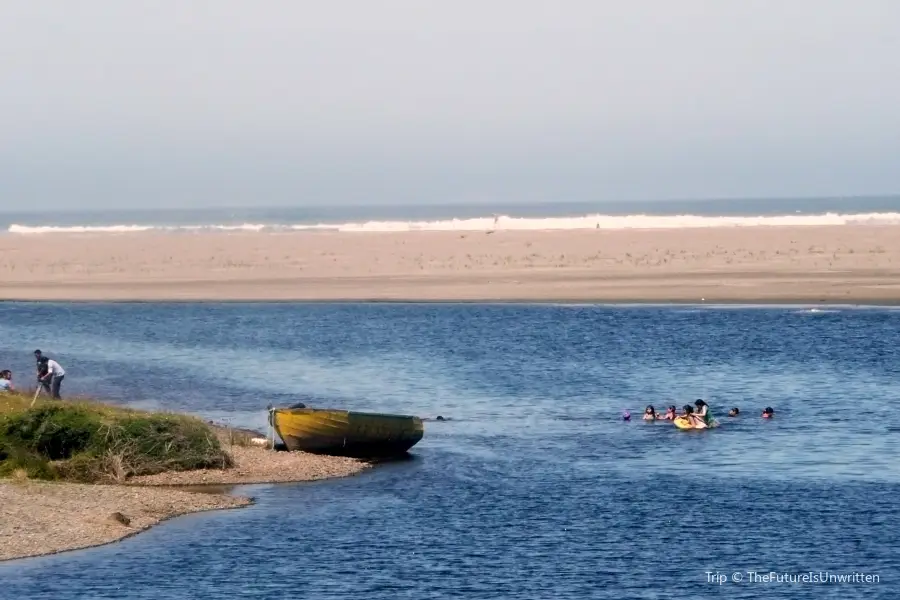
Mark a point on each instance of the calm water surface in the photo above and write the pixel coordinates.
(535, 488)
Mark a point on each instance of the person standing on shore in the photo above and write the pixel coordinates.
(41, 370)
(53, 376)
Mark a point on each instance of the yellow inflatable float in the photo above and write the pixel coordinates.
(684, 422)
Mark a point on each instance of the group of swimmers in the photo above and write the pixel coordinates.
(699, 414)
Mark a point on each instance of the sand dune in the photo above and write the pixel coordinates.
(848, 263)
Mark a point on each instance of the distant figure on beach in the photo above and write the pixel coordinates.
(734, 412)
(6, 381)
(768, 413)
(53, 376)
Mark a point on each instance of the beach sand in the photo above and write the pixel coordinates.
(46, 518)
(846, 263)
(259, 465)
(41, 518)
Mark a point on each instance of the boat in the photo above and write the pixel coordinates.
(346, 433)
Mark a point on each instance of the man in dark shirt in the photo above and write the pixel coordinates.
(43, 380)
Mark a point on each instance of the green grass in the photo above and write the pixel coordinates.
(91, 442)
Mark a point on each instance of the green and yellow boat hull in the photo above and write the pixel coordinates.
(346, 433)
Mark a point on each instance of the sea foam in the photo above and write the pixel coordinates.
(25, 229)
(502, 223)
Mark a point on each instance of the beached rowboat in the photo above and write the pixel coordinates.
(345, 433)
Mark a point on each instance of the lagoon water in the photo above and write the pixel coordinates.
(535, 488)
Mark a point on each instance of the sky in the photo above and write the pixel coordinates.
(237, 103)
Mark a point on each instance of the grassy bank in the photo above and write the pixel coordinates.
(89, 442)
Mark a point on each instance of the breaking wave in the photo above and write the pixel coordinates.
(500, 223)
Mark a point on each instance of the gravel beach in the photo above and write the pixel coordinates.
(45, 518)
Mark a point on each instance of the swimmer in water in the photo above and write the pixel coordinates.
(670, 414)
(768, 413)
(696, 422)
(734, 412)
(626, 416)
(703, 413)
(650, 414)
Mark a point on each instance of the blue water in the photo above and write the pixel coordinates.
(535, 488)
(310, 215)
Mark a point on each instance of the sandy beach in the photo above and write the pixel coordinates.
(46, 518)
(42, 518)
(846, 263)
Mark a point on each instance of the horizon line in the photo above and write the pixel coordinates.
(876, 196)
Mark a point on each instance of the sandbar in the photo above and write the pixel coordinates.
(812, 264)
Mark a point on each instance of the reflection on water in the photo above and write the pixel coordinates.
(535, 488)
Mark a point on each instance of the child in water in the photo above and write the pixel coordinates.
(697, 422)
(670, 414)
(650, 414)
(734, 412)
(768, 413)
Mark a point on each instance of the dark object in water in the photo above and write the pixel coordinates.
(440, 418)
(344, 433)
(298, 405)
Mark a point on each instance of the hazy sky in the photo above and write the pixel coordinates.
(227, 102)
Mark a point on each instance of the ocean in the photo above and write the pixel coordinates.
(469, 217)
(535, 487)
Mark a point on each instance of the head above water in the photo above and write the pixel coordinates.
(734, 412)
(37, 353)
(768, 412)
(626, 416)
(671, 408)
(650, 410)
(688, 409)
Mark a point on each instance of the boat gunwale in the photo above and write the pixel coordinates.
(344, 411)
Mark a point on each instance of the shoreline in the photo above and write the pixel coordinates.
(76, 525)
(791, 302)
(43, 517)
(71, 516)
